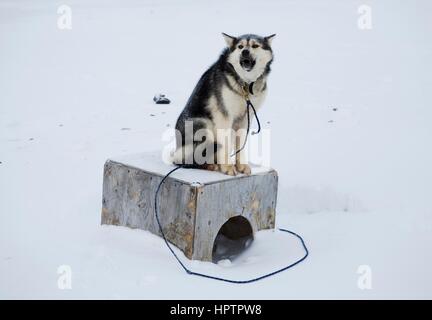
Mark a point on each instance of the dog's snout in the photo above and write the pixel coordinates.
(245, 53)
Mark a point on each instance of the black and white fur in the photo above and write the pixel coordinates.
(218, 102)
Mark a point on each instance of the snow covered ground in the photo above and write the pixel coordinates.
(350, 114)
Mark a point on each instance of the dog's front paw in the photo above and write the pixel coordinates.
(229, 169)
(243, 168)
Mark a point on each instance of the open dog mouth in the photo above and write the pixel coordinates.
(247, 63)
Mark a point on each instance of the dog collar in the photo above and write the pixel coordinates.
(248, 89)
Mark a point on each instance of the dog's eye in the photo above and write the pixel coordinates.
(240, 46)
(255, 46)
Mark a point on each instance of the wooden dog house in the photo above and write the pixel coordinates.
(195, 206)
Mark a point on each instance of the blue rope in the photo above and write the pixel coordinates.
(188, 271)
(256, 117)
(249, 105)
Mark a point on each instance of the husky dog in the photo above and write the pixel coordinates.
(218, 103)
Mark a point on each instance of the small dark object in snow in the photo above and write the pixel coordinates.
(152, 115)
(161, 99)
(334, 109)
(1, 162)
(268, 122)
(330, 121)
(168, 125)
(124, 129)
(31, 139)
(60, 125)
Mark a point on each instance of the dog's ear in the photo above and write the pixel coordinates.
(229, 39)
(269, 39)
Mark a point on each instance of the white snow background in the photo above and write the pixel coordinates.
(355, 182)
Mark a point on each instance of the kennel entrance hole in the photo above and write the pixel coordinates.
(235, 236)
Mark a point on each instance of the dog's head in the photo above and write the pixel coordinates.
(249, 54)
